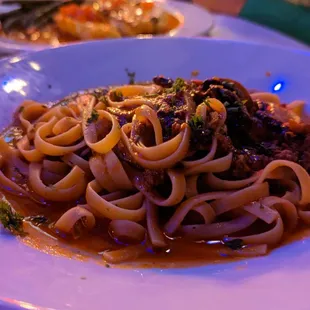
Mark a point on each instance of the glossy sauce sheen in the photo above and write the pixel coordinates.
(48, 240)
(88, 247)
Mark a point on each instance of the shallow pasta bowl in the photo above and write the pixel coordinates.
(32, 279)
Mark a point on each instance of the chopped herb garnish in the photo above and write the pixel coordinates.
(10, 219)
(103, 99)
(21, 109)
(36, 219)
(98, 92)
(178, 85)
(93, 117)
(234, 244)
(151, 95)
(117, 96)
(131, 76)
(196, 122)
(208, 104)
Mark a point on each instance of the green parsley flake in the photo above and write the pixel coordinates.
(93, 117)
(117, 96)
(103, 99)
(208, 104)
(196, 122)
(151, 95)
(11, 220)
(178, 85)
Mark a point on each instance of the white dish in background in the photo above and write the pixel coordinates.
(277, 281)
(197, 21)
(234, 28)
(8, 8)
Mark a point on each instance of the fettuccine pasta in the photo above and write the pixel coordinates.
(161, 167)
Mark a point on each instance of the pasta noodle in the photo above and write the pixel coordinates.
(147, 168)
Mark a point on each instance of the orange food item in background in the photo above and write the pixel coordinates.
(84, 13)
(146, 6)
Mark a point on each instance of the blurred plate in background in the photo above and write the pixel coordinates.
(195, 21)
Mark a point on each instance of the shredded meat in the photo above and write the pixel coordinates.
(152, 178)
(172, 112)
(240, 167)
(304, 158)
(123, 154)
(176, 128)
(201, 138)
(225, 145)
(162, 81)
(286, 155)
(123, 116)
(252, 132)
(221, 93)
(214, 119)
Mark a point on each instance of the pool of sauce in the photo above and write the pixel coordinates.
(179, 253)
(89, 245)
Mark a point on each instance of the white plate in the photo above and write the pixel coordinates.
(277, 281)
(197, 21)
(235, 28)
(7, 8)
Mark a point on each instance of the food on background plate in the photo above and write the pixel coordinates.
(179, 171)
(55, 22)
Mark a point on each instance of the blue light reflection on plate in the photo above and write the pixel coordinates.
(278, 86)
